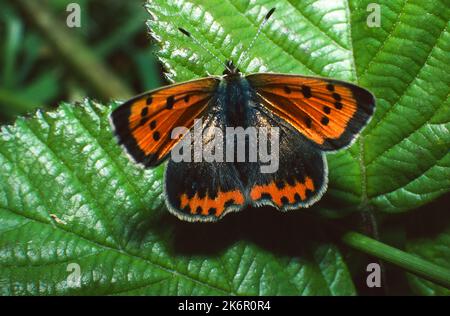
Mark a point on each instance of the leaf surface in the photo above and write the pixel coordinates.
(69, 195)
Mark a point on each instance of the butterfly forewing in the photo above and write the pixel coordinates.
(328, 112)
(144, 125)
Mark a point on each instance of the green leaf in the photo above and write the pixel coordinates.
(68, 194)
(402, 160)
(431, 243)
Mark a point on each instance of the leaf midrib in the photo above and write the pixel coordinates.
(364, 203)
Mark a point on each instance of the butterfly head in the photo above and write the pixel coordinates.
(231, 69)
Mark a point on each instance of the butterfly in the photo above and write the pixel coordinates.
(313, 115)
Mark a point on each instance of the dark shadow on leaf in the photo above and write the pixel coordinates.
(427, 221)
(292, 233)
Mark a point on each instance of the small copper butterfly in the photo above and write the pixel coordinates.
(313, 115)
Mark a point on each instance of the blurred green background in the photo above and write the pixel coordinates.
(44, 62)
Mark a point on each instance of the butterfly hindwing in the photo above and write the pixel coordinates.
(300, 177)
(300, 180)
(203, 191)
(144, 124)
(328, 112)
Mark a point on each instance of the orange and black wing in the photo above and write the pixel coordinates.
(203, 191)
(300, 179)
(297, 176)
(328, 112)
(144, 124)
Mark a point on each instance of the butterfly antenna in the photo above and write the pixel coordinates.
(182, 30)
(260, 28)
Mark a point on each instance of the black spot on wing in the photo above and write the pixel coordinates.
(212, 211)
(308, 122)
(287, 89)
(170, 102)
(306, 91)
(336, 96)
(152, 125)
(365, 106)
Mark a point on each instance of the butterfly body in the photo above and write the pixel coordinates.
(311, 115)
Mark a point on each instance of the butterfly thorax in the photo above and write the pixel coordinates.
(235, 94)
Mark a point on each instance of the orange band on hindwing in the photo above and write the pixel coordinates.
(282, 193)
(211, 206)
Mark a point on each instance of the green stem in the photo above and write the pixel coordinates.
(412, 263)
(75, 52)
